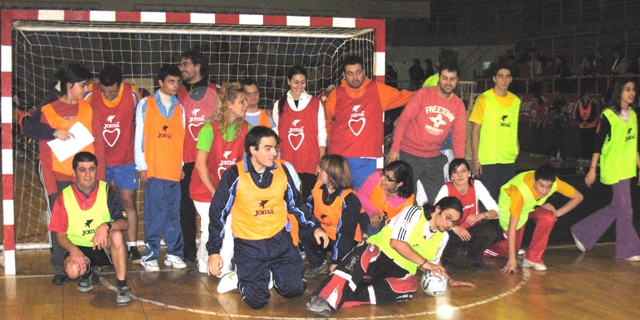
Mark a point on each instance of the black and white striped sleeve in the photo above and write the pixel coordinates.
(404, 222)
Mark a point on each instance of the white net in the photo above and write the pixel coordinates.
(467, 92)
(140, 49)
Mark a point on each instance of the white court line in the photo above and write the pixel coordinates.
(525, 277)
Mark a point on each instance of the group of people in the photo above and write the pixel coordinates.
(307, 178)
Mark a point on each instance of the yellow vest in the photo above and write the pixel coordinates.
(619, 152)
(84, 223)
(499, 132)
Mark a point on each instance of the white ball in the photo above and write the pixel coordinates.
(434, 285)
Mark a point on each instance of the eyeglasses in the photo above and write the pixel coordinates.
(185, 64)
(449, 219)
(386, 177)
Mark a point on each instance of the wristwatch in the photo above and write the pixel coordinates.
(108, 226)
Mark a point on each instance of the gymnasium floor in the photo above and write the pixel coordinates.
(577, 285)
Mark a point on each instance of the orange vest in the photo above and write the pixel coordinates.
(163, 142)
(264, 119)
(378, 198)
(259, 213)
(329, 216)
(585, 113)
(85, 114)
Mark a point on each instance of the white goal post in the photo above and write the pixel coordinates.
(35, 42)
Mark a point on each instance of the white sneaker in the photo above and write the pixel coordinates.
(633, 258)
(202, 268)
(151, 266)
(536, 266)
(521, 252)
(228, 282)
(578, 243)
(174, 261)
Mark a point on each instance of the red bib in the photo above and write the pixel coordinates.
(196, 113)
(117, 125)
(358, 129)
(299, 133)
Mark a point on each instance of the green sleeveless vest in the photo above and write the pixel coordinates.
(504, 202)
(619, 152)
(83, 224)
(427, 248)
(499, 132)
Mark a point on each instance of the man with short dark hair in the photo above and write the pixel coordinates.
(159, 145)
(494, 133)
(354, 113)
(116, 102)
(523, 197)
(89, 223)
(423, 127)
(258, 193)
(254, 115)
(198, 98)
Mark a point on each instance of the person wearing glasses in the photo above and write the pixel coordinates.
(383, 268)
(523, 197)
(198, 97)
(384, 194)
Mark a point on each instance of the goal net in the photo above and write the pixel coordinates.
(235, 52)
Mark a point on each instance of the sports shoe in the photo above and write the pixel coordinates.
(536, 266)
(151, 266)
(86, 282)
(59, 279)
(578, 243)
(123, 297)
(319, 305)
(134, 255)
(228, 282)
(521, 252)
(321, 269)
(174, 261)
(633, 258)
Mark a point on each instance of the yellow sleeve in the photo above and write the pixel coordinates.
(564, 188)
(477, 114)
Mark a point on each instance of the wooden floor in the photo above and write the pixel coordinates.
(576, 286)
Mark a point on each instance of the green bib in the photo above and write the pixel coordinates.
(83, 223)
(620, 149)
(504, 201)
(499, 132)
(427, 248)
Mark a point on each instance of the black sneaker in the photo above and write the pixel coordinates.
(85, 284)
(59, 279)
(134, 255)
(321, 269)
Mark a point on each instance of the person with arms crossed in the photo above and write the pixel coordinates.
(617, 146)
(159, 144)
(354, 113)
(258, 192)
(198, 98)
(89, 221)
(523, 197)
(423, 127)
(116, 101)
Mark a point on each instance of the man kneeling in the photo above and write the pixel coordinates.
(89, 222)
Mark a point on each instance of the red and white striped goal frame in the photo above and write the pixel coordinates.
(6, 68)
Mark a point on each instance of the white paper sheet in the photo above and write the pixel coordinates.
(68, 148)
